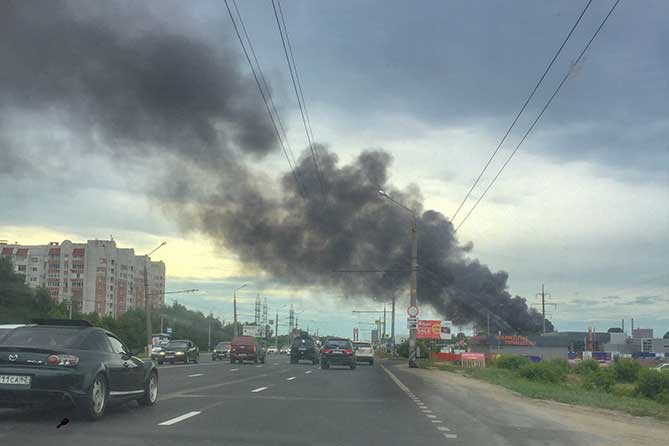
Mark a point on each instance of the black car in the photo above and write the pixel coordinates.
(222, 350)
(72, 361)
(303, 348)
(338, 351)
(181, 350)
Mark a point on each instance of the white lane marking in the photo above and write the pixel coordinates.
(430, 416)
(443, 428)
(399, 383)
(437, 421)
(258, 366)
(290, 379)
(307, 372)
(276, 363)
(427, 411)
(196, 374)
(161, 367)
(259, 389)
(179, 418)
(450, 436)
(233, 370)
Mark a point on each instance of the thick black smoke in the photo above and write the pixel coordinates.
(148, 93)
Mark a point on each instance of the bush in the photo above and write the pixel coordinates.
(511, 362)
(626, 370)
(600, 379)
(652, 384)
(553, 371)
(586, 367)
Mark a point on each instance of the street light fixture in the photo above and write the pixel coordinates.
(235, 307)
(147, 298)
(412, 278)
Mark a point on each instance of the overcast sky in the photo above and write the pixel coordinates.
(582, 207)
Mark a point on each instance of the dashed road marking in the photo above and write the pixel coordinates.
(259, 365)
(179, 418)
(437, 421)
(430, 416)
(259, 389)
(443, 428)
(233, 370)
(196, 374)
(450, 436)
(307, 372)
(290, 379)
(427, 411)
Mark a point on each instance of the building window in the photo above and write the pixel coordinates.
(112, 261)
(33, 279)
(34, 259)
(34, 269)
(21, 268)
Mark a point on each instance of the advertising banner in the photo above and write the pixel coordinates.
(251, 330)
(446, 330)
(429, 329)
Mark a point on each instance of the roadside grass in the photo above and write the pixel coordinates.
(572, 392)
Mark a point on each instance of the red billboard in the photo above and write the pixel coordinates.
(428, 330)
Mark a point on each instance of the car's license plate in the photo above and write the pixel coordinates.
(336, 352)
(15, 381)
(169, 357)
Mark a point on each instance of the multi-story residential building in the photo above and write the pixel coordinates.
(95, 276)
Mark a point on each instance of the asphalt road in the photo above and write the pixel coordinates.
(218, 403)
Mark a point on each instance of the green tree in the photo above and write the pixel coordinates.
(20, 303)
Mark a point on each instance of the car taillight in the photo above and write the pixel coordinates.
(348, 351)
(63, 360)
(254, 349)
(327, 351)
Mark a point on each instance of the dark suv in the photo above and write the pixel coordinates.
(221, 350)
(337, 351)
(180, 350)
(303, 348)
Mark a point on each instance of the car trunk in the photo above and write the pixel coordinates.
(25, 356)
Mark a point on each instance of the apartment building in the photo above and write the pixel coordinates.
(95, 276)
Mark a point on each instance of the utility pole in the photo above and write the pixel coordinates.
(291, 324)
(488, 331)
(543, 295)
(383, 336)
(392, 326)
(276, 330)
(147, 299)
(209, 344)
(235, 329)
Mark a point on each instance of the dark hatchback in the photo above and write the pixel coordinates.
(180, 351)
(72, 361)
(303, 348)
(222, 350)
(338, 351)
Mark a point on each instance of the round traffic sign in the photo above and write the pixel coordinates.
(412, 311)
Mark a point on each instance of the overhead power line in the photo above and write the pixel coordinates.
(522, 109)
(529, 130)
(264, 97)
(298, 91)
(267, 89)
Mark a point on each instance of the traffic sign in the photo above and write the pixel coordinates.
(412, 311)
(412, 322)
(169, 330)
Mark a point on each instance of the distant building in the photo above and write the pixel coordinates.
(639, 333)
(95, 276)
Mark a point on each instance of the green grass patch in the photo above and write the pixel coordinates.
(572, 392)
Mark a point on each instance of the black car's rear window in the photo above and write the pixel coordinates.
(45, 337)
(303, 342)
(222, 345)
(338, 343)
(177, 344)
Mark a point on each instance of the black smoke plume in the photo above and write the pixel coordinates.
(137, 90)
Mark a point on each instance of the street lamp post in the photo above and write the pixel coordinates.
(234, 304)
(413, 277)
(147, 299)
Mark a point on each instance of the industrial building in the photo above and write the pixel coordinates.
(95, 276)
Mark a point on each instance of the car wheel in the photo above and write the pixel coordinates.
(213, 358)
(94, 405)
(371, 362)
(160, 362)
(325, 365)
(353, 366)
(197, 359)
(150, 395)
(262, 360)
